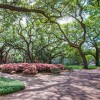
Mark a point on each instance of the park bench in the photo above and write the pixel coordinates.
(55, 70)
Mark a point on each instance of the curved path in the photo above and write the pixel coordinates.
(78, 85)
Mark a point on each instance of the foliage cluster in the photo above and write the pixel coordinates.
(41, 31)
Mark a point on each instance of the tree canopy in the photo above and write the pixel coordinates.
(41, 31)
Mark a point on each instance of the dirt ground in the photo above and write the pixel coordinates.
(76, 85)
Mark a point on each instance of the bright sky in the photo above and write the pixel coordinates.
(23, 21)
(65, 20)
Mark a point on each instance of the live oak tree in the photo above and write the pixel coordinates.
(93, 31)
(50, 17)
(78, 38)
(49, 12)
(31, 39)
(4, 52)
(93, 40)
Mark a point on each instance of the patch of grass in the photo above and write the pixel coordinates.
(93, 67)
(9, 86)
(79, 67)
(73, 67)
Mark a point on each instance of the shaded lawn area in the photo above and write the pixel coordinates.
(8, 85)
(80, 67)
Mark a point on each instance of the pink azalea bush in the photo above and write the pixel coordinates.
(60, 66)
(18, 68)
(28, 68)
(7, 68)
(46, 67)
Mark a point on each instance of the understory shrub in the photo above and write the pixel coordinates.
(46, 67)
(28, 68)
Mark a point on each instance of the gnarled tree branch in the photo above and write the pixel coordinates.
(22, 9)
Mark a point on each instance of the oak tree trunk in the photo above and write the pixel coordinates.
(85, 65)
(97, 56)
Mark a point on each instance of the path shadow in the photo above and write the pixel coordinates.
(67, 86)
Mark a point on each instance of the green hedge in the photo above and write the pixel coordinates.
(9, 85)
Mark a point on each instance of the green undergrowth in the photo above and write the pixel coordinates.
(8, 86)
(80, 67)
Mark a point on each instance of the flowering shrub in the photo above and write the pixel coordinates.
(18, 68)
(6, 68)
(28, 68)
(27, 72)
(46, 67)
(60, 66)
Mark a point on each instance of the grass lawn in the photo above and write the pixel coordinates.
(80, 67)
(9, 85)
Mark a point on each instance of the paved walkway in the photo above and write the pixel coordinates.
(78, 85)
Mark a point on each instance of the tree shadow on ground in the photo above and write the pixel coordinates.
(67, 86)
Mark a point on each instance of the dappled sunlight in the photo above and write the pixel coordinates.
(52, 47)
(67, 86)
